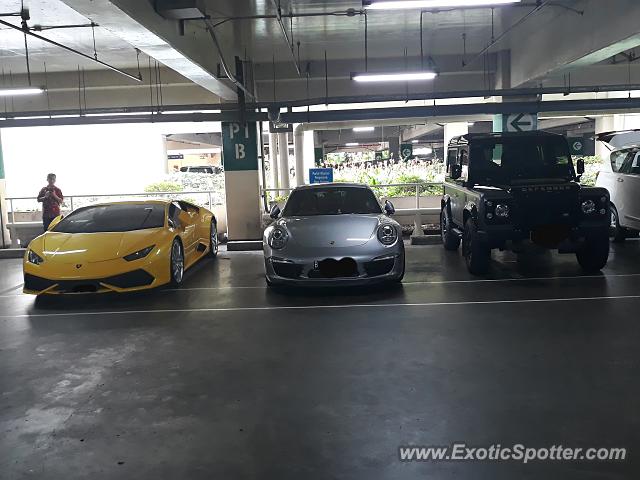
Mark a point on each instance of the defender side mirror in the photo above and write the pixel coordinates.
(275, 212)
(456, 171)
(389, 208)
(54, 222)
(580, 166)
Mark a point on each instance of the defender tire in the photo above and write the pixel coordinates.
(477, 253)
(450, 240)
(594, 253)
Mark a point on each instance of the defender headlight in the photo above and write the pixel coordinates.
(588, 207)
(502, 210)
(387, 234)
(34, 258)
(278, 238)
(139, 254)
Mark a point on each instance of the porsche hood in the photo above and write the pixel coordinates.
(335, 230)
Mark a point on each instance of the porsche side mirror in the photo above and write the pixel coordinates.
(275, 212)
(580, 166)
(389, 209)
(456, 171)
(54, 222)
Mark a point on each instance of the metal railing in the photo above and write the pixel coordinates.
(73, 201)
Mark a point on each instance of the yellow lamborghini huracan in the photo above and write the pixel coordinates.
(120, 246)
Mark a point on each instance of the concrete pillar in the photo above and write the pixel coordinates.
(4, 232)
(309, 150)
(605, 124)
(454, 130)
(165, 155)
(273, 160)
(298, 149)
(394, 147)
(283, 160)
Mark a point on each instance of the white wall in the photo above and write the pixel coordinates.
(89, 159)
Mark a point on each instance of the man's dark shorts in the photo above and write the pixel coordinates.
(46, 221)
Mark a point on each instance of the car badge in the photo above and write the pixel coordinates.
(78, 265)
(332, 242)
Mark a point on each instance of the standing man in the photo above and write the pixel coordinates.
(51, 199)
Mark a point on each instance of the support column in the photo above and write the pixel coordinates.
(605, 124)
(242, 185)
(298, 149)
(309, 150)
(394, 147)
(4, 218)
(283, 160)
(454, 130)
(273, 160)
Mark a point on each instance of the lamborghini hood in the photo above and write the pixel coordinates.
(95, 247)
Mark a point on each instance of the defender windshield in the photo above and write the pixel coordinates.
(113, 218)
(517, 160)
(331, 201)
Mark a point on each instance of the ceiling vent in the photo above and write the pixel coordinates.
(180, 9)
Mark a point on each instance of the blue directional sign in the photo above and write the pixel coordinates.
(320, 175)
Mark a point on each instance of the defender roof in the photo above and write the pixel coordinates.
(470, 137)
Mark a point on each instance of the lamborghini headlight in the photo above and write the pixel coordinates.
(34, 258)
(278, 238)
(387, 234)
(139, 254)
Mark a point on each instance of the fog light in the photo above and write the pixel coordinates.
(502, 211)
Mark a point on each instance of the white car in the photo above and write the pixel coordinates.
(621, 176)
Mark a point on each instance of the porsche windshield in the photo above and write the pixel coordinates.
(113, 218)
(521, 159)
(331, 201)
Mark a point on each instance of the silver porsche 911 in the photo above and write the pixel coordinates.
(333, 234)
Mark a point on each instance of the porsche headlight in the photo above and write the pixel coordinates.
(278, 238)
(34, 258)
(588, 207)
(387, 234)
(139, 254)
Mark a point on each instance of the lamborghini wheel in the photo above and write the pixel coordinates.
(177, 263)
(213, 249)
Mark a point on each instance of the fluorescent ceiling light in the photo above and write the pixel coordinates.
(352, 144)
(470, 124)
(13, 92)
(364, 129)
(415, 141)
(405, 4)
(393, 77)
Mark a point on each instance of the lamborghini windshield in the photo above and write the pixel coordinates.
(331, 201)
(521, 160)
(113, 218)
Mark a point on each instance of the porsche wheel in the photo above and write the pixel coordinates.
(213, 245)
(177, 263)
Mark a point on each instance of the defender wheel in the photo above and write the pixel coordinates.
(618, 233)
(176, 266)
(594, 253)
(450, 240)
(476, 253)
(213, 239)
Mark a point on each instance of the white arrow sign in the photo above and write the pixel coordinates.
(521, 122)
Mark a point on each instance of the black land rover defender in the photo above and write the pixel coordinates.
(504, 189)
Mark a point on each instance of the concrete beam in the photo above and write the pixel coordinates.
(137, 23)
(558, 41)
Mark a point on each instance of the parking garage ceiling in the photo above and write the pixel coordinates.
(473, 49)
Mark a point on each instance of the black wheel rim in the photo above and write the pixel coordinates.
(177, 262)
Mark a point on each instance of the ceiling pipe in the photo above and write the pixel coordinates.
(225, 67)
(286, 37)
(72, 50)
(500, 37)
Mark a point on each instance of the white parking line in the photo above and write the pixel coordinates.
(426, 282)
(329, 307)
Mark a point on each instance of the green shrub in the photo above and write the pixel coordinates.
(163, 186)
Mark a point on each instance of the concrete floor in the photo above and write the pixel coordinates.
(226, 379)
